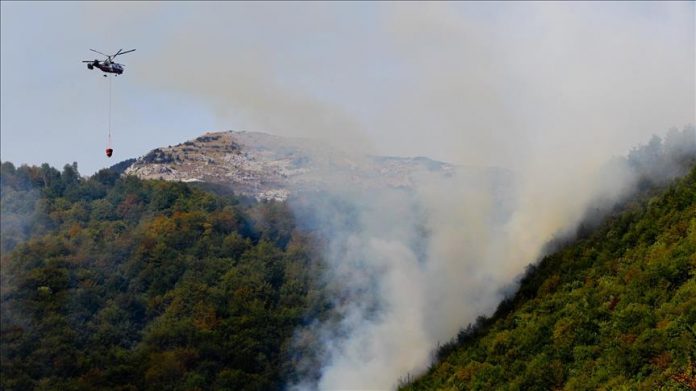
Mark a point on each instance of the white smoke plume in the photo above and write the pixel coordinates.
(409, 268)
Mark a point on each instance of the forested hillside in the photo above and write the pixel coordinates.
(118, 283)
(615, 310)
(113, 282)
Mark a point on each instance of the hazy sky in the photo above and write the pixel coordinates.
(469, 83)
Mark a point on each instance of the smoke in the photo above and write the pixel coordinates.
(242, 61)
(551, 91)
(409, 268)
(18, 206)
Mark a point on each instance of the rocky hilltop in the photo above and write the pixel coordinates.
(271, 167)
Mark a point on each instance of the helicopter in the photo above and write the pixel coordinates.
(108, 65)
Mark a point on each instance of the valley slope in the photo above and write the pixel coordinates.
(614, 310)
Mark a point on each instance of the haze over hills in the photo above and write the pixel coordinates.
(265, 166)
(449, 222)
(114, 281)
(614, 309)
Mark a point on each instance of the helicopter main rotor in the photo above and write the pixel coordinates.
(97, 51)
(111, 57)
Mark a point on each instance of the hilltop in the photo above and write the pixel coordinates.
(265, 166)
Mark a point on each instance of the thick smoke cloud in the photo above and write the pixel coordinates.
(409, 268)
(476, 84)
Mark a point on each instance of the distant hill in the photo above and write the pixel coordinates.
(265, 166)
(616, 309)
(121, 167)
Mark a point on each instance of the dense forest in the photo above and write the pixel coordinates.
(614, 310)
(112, 282)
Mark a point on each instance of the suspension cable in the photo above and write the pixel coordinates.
(109, 140)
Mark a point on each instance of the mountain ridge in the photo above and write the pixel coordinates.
(272, 167)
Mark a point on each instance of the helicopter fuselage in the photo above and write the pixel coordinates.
(108, 67)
